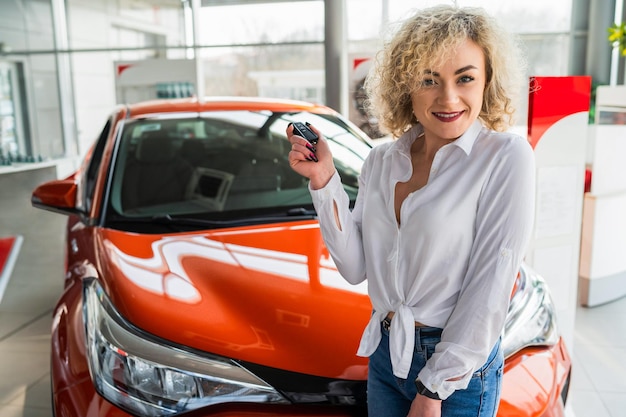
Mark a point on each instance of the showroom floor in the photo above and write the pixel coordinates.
(598, 386)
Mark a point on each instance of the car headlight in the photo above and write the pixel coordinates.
(142, 375)
(531, 319)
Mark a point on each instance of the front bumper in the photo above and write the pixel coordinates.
(536, 379)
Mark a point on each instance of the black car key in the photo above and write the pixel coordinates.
(303, 130)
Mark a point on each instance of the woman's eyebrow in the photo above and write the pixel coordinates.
(457, 72)
(465, 68)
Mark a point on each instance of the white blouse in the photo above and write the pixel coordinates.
(453, 260)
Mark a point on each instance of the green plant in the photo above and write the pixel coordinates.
(617, 36)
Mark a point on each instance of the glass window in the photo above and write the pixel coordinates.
(262, 23)
(266, 69)
(90, 175)
(520, 17)
(365, 19)
(530, 16)
(282, 71)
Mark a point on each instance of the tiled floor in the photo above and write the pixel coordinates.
(599, 361)
(599, 352)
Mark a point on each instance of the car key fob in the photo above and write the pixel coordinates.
(303, 130)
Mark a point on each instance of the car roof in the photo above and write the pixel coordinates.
(194, 105)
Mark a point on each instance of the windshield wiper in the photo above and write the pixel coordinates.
(168, 219)
(299, 213)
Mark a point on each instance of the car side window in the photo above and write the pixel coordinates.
(91, 173)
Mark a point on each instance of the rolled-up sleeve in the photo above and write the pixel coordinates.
(341, 227)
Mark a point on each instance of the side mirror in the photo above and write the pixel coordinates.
(58, 196)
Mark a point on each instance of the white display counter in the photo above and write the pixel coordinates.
(603, 242)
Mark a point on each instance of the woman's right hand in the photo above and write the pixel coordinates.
(312, 162)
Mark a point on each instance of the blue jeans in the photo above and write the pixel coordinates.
(390, 396)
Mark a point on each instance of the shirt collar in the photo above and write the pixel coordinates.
(467, 139)
(465, 142)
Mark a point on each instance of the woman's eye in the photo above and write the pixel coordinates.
(427, 82)
(466, 79)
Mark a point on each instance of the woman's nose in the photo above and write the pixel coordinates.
(448, 94)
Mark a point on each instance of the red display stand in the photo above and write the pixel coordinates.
(552, 99)
(9, 249)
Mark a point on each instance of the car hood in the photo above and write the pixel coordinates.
(269, 295)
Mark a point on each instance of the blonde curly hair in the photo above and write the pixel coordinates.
(425, 41)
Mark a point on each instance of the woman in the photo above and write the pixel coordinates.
(442, 218)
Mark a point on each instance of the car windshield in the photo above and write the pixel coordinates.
(220, 168)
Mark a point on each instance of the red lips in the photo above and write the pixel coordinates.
(448, 117)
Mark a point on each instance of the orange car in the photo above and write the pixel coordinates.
(198, 283)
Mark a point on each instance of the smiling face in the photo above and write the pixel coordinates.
(449, 98)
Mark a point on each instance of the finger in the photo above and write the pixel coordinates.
(302, 146)
(295, 138)
(298, 143)
(297, 159)
(306, 152)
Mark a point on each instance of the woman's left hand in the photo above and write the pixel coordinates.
(423, 406)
